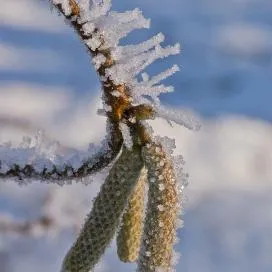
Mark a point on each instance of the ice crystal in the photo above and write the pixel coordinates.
(65, 5)
(98, 20)
(126, 135)
(43, 154)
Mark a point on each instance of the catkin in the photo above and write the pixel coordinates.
(130, 233)
(101, 224)
(162, 212)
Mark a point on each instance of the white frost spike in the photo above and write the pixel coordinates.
(180, 223)
(116, 27)
(158, 53)
(153, 92)
(127, 16)
(158, 78)
(145, 77)
(175, 258)
(125, 72)
(133, 50)
(84, 5)
(99, 8)
(126, 135)
(148, 87)
(181, 117)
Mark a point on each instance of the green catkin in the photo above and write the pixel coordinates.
(101, 224)
(130, 233)
(162, 212)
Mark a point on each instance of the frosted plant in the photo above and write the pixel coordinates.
(146, 235)
(130, 233)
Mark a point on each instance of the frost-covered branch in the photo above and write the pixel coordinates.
(128, 102)
(39, 161)
(118, 68)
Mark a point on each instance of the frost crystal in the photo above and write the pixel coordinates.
(103, 29)
(65, 5)
(126, 135)
(88, 28)
(130, 98)
(43, 154)
(161, 187)
(98, 60)
(181, 117)
(147, 253)
(160, 208)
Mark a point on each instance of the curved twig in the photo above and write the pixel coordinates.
(114, 142)
(121, 107)
(65, 170)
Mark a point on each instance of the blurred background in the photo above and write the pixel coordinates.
(47, 81)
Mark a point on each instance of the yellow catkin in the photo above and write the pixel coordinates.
(162, 212)
(101, 224)
(130, 233)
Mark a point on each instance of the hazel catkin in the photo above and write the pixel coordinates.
(161, 214)
(101, 224)
(130, 233)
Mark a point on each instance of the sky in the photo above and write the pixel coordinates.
(47, 81)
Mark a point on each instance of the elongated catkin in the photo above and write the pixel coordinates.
(101, 224)
(130, 233)
(161, 214)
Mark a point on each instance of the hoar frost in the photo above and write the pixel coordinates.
(122, 74)
(130, 60)
(104, 29)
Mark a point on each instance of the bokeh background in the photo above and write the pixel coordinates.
(46, 81)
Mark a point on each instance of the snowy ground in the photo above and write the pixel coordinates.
(226, 77)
